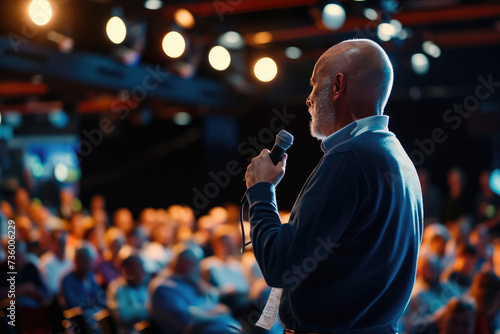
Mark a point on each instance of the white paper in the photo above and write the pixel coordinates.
(268, 316)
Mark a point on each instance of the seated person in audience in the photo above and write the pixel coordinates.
(479, 238)
(463, 268)
(127, 295)
(225, 271)
(204, 234)
(30, 291)
(109, 268)
(183, 218)
(67, 200)
(147, 221)
(79, 288)
(158, 253)
(432, 295)
(123, 220)
(137, 239)
(76, 232)
(458, 317)
(495, 257)
(54, 264)
(485, 290)
(22, 202)
(434, 241)
(27, 233)
(183, 303)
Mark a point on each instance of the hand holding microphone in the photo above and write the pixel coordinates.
(270, 166)
(266, 167)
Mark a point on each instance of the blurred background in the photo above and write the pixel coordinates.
(140, 100)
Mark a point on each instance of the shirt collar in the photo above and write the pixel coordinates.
(356, 128)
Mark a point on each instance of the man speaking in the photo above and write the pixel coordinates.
(347, 258)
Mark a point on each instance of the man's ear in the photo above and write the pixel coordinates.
(338, 86)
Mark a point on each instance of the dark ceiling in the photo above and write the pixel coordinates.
(468, 33)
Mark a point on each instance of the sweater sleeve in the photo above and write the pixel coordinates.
(328, 203)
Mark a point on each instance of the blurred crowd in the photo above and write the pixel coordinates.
(169, 272)
(457, 289)
(165, 270)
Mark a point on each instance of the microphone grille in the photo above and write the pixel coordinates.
(284, 139)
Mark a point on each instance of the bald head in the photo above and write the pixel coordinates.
(353, 79)
(368, 74)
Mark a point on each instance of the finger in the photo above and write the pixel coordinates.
(282, 163)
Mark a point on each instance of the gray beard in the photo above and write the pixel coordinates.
(324, 116)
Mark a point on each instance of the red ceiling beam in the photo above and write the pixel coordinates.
(408, 19)
(19, 88)
(228, 7)
(452, 39)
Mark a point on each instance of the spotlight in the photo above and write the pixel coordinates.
(265, 69)
(116, 30)
(419, 63)
(431, 49)
(231, 40)
(173, 44)
(397, 26)
(182, 118)
(403, 34)
(385, 31)
(333, 16)
(153, 4)
(262, 37)
(40, 12)
(293, 52)
(59, 119)
(61, 172)
(219, 58)
(495, 181)
(184, 18)
(370, 14)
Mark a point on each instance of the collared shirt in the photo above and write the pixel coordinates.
(356, 128)
(347, 258)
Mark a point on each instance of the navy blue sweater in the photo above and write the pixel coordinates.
(347, 258)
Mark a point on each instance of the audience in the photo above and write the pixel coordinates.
(458, 317)
(225, 271)
(463, 267)
(158, 252)
(183, 303)
(486, 292)
(55, 264)
(79, 288)
(30, 292)
(109, 268)
(184, 274)
(127, 295)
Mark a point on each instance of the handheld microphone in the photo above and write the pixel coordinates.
(283, 142)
